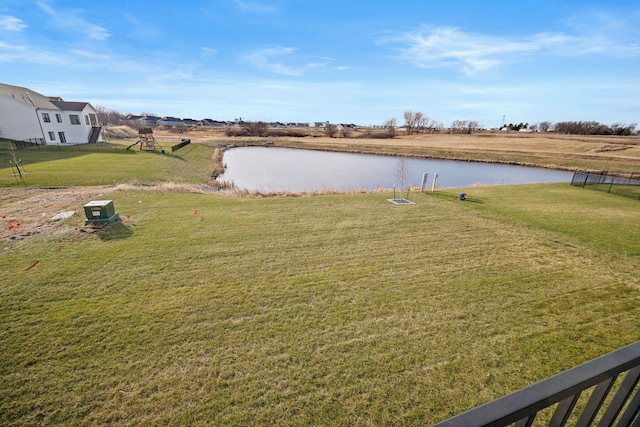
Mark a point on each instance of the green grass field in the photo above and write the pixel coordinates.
(326, 310)
(104, 164)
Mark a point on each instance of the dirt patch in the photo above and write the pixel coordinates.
(30, 211)
(27, 212)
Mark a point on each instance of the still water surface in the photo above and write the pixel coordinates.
(270, 169)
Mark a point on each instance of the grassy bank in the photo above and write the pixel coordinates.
(104, 164)
(614, 154)
(111, 163)
(340, 309)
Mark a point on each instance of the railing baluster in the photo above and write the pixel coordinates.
(563, 390)
(525, 422)
(631, 412)
(563, 411)
(620, 398)
(595, 402)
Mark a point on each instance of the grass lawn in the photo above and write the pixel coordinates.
(104, 164)
(327, 310)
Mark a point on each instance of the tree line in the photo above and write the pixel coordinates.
(594, 128)
(415, 122)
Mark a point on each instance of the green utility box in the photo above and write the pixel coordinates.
(100, 211)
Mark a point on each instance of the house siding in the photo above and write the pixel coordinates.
(21, 119)
(18, 121)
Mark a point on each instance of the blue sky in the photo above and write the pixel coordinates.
(357, 62)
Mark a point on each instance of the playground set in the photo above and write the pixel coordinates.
(146, 140)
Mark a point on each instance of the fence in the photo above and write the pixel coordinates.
(628, 186)
(614, 397)
(182, 143)
(41, 146)
(29, 142)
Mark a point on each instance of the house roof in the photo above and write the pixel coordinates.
(70, 105)
(27, 97)
(37, 100)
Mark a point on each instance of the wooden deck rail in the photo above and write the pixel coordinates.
(606, 405)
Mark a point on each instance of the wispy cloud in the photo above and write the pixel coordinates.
(11, 23)
(255, 7)
(69, 20)
(25, 54)
(207, 51)
(270, 59)
(440, 47)
(436, 47)
(139, 28)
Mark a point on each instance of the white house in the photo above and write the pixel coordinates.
(26, 115)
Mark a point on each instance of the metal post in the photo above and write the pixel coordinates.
(613, 179)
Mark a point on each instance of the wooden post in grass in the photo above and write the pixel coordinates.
(433, 185)
(424, 182)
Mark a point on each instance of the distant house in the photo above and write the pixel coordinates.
(149, 120)
(318, 124)
(211, 122)
(144, 120)
(26, 115)
(170, 121)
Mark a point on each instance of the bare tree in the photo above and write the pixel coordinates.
(345, 131)
(421, 122)
(465, 126)
(390, 125)
(107, 115)
(434, 126)
(409, 121)
(457, 126)
(331, 130)
(402, 170)
(415, 122)
(472, 127)
(255, 128)
(594, 128)
(545, 126)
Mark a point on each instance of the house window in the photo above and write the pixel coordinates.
(58, 118)
(45, 118)
(86, 120)
(52, 136)
(63, 139)
(75, 119)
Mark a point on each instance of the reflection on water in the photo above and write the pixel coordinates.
(287, 169)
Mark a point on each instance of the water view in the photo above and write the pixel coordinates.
(270, 169)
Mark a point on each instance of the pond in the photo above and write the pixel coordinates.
(271, 169)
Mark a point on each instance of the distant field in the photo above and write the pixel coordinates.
(620, 154)
(201, 308)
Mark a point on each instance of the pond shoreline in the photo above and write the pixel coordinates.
(615, 155)
(295, 169)
(219, 166)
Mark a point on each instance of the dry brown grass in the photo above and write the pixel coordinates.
(570, 152)
(539, 144)
(119, 132)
